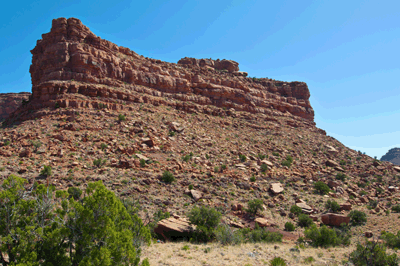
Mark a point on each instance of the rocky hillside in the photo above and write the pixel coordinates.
(102, 112)
(9, 102)
(393, 156)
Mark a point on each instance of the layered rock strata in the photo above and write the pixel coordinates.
(393, 156)
(72, 67)
(9, 102)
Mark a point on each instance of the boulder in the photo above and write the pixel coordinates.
(268, 163)
(345, 206)
(276, 188)
(334, 219)
(332, 163)
(196, 194)
(304, 207)
(174, 228)
(262, 222)
(368, 234)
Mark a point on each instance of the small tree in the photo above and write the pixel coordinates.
(333, 206)
(357, 217)
(326, 237)
(305, 220)
(46, 171)
(168, 177)
(206, 220)
(254, 206)
(289, 226)
(296, 210)
(321, 187)
(75, 192)
(372, 253)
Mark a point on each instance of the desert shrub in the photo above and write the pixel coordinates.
(103, 146)
(259, 234)
(289, 226)
(190, 187)
(253, 179)
(187, 157)
(392, 240)
(172, 133)
(226, 236)
(206, 220)
(296, 210)
(223, 167)
(332, 206)
(288, 162)
(304, 220)
(264, 168)
(36, 144)
(309, 259)
(396, 208)
(40, 227)
(363, 193)
(99, 162)
(75, 192)
(372, 204)
(379, 190)
(321, 188)
(121, 117)
(357, 217)
(255, 205)
(372, 253)
(326, 237)
(142, 162)
(261, 156)
(168, 177)
(277, 261)
(46, 171)
(242, 157)
(341, 176)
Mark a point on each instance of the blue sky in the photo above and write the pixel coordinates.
(346, 51)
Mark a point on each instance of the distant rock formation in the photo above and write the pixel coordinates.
(393, 156)
(9, 102)
(73, 68)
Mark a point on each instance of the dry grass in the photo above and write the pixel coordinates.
(245, 254)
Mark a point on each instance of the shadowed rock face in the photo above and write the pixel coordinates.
(72, 67)
(393, 156)
(9, 102)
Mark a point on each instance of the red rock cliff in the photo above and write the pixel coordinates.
(72, 67)
(9, 102)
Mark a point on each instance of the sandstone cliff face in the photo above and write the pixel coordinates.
(72, 67)
(393, 156)
(9, 102)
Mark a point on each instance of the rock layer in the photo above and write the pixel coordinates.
(393, 156)
(72, 67)
(9, 102)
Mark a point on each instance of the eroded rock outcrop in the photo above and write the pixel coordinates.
(9, 102)
(72, 67)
